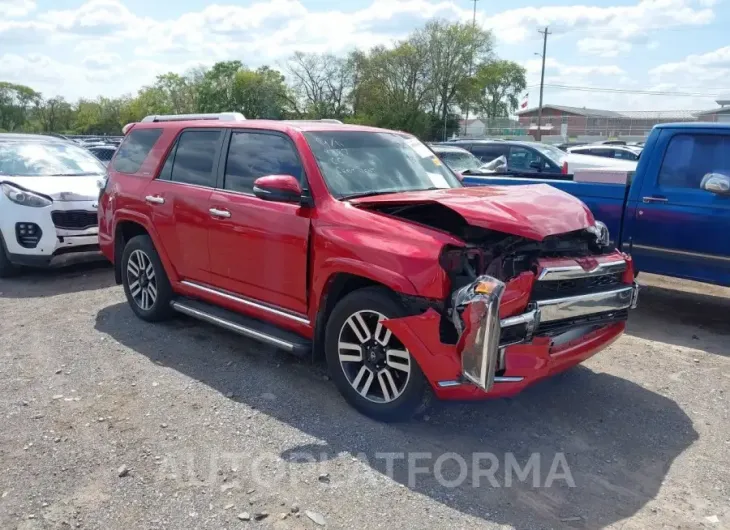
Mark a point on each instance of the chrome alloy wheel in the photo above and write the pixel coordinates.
(141, 280)
(374, 361)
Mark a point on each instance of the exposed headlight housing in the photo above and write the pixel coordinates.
(600, 230)
(24, 197)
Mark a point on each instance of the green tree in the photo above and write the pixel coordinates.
(321, 84)
(54, 115)
(452, 49)
(216, 88)
(17, 103)
(496, 88)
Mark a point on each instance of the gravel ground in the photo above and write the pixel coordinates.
(109, 422)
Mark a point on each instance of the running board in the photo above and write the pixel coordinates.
(243, 325)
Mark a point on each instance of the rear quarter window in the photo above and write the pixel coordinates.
(134, 149)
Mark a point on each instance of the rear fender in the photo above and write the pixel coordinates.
(135, 217)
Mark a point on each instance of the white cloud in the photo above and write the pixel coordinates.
(620, 22)
(16, 8)
(603, 47)
(111, 48)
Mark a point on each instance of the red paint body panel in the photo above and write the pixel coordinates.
(257, 250)
(535, 211)
(286, 255)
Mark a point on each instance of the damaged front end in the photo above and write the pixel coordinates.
(566, 300)
(483, 335)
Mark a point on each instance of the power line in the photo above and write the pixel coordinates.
(630, 91)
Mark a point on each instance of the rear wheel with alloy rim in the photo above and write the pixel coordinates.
(370, 366)
(145, 281)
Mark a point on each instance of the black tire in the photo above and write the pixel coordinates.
(160, 308)
(414, 394)
(7, 269)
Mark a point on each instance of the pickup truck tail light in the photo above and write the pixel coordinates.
(564, 169)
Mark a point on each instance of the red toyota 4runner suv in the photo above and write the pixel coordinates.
(358, 243)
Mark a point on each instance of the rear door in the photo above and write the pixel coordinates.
(527, 161)
(680, 229)
(488, 152)
(179, 200)
(259, 248)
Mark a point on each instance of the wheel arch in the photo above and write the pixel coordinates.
(125, 228)
(340, 284)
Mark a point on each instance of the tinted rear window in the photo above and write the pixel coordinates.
(134, 149)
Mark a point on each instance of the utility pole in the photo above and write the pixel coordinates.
(471, 63)
(545, 34)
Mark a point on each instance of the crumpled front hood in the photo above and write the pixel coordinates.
(534, 211)
(60, 188)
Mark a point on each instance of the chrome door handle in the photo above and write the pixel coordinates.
(155, 199)
(215, 212)
(655, 199)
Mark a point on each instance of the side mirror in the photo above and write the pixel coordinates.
(536, 164)
(716, 183)
(278, 188)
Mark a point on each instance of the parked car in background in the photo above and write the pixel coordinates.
(566, 145)
(535, 158)
(48, 201)
(621, 152)
(359, 243)
(103, 152)
(673, 213)
(458, 159)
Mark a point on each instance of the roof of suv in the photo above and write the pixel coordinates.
(275, 125)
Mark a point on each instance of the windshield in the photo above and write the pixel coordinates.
(40, 159)
(358, 163)
(550, 151)
(460, 160)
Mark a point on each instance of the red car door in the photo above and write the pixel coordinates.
(179, 201)
(258, 248)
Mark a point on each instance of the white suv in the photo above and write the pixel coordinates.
(48, 202)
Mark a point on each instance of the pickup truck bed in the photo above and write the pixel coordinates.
(670, 217)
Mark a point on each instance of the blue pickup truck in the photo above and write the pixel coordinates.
(673, 215)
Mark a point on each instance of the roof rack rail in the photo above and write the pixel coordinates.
(323, 120)
(221, 116)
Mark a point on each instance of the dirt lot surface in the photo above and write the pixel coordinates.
(209, 430)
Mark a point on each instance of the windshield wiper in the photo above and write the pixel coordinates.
(365, 194)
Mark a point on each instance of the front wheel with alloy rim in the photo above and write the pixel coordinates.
(371, 367)
(145, 282)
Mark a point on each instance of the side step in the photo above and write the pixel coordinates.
(243, 325)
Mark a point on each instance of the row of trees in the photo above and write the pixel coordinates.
(421, 85)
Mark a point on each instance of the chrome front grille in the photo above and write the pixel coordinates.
(574, 280)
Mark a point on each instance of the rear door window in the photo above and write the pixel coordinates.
(134, 149)
(487, 153)
(195, 157)
(257, 154)
(521, 159)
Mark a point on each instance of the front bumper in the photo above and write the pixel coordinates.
(509, 340)
(56, 245)
(484, 337)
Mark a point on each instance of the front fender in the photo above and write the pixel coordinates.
(376, 273)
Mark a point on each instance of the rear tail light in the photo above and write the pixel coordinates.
(565, 168)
